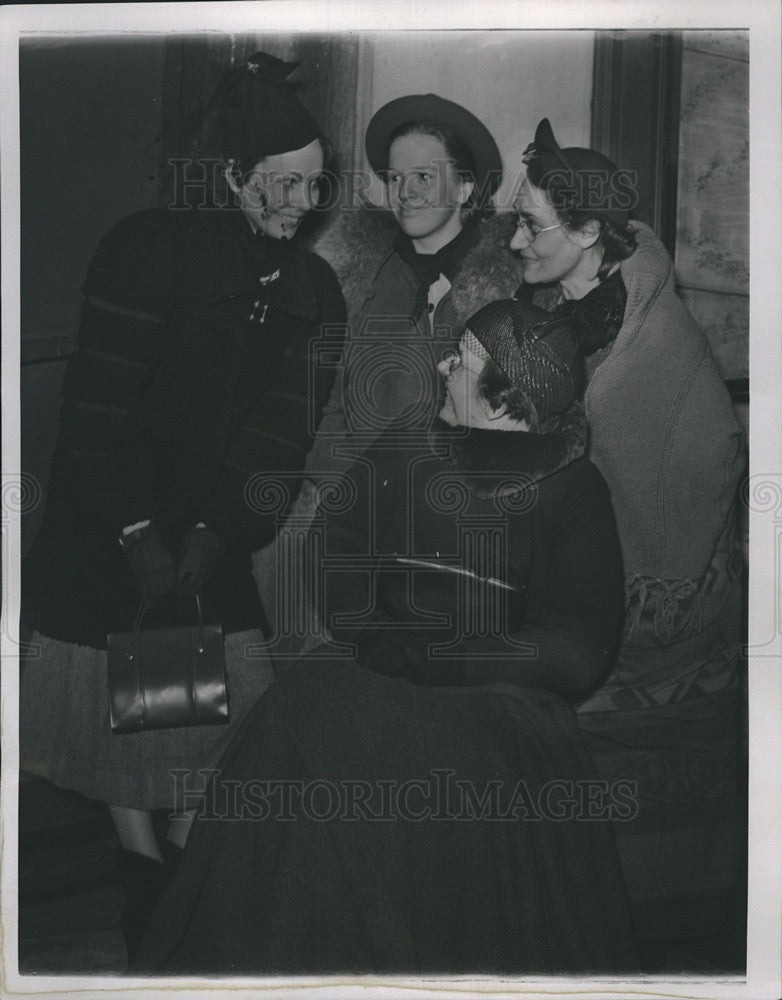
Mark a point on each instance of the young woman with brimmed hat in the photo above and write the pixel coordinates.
(411, 283)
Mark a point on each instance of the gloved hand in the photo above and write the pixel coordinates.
(396, 653)
(405, 653)
(151, 562)
(198, 555)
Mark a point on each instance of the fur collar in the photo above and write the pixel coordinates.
(487, 458)
(490, 271)
(356, 245)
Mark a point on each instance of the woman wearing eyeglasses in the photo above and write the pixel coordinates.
(663, 433)
(429, 807)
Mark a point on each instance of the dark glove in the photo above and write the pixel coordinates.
(385, 654)
(151, 562)
(198, 555)
(394, 654)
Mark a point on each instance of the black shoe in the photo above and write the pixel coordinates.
(171, 855)
(146, 880)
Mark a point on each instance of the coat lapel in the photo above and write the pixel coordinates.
(236, 269)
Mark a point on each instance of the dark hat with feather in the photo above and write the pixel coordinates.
(596, 184)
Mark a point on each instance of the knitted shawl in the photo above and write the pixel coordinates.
(663, 431)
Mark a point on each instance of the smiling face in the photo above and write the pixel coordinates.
(549, 250)
(425, 193)
(279, 190)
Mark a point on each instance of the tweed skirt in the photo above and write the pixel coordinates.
(65, 730)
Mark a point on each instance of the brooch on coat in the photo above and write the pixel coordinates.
(255, 316)
(265, 279)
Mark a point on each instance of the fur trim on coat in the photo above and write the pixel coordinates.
(487, 458)
(357, 243)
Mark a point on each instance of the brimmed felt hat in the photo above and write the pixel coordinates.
(538, 352)
(595, 181)
(257, 113)
(431, 108)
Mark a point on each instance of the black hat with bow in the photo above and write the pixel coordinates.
(596, 183)
(257, 113)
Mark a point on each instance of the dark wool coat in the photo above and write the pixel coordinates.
(495, 558)
(355, 839)
(426, 829)
(173, 402)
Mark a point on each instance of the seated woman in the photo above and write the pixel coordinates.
(370, 824)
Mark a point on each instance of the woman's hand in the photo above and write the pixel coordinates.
(151, 562)
(200, 550)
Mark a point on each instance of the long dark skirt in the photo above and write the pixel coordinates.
(362, 824)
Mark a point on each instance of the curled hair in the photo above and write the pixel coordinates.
(479, 204)
(617, 239)
(495, 387)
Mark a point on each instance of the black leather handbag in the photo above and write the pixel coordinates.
(166, 678)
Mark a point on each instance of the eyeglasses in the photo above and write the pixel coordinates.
(532, 234)
(454, 361)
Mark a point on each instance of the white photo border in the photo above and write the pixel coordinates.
(762, 19)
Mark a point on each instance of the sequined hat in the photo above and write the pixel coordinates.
(537, 351)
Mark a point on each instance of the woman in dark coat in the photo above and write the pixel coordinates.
(424, 808)
(191, 377)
